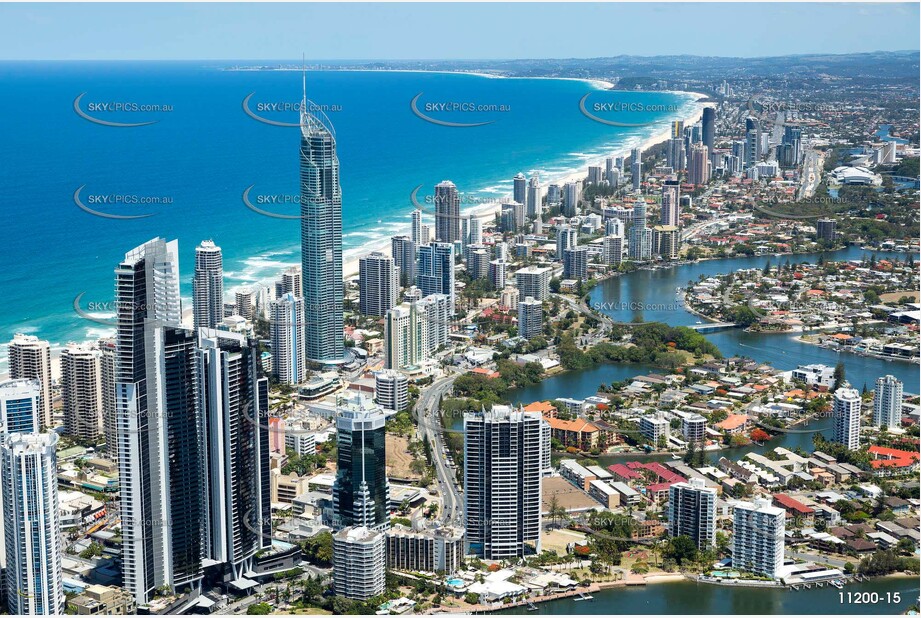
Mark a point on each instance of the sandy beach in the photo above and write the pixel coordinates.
(488, 210)
(484, 211)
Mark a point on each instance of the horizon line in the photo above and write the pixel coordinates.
(494, 59)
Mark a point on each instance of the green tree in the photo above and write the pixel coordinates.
(682, 550)
(319, 549)
(839, 375)
(259, 609)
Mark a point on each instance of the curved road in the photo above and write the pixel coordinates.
(429, 426)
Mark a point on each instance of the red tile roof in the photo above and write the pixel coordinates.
(884, 457)
(624, 472)
(790, 504)
(578, 425)
(733, 421)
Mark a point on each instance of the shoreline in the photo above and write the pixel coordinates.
(675, 578)
(799, 338)
(489, 209)
(351, 256)
(599, 83)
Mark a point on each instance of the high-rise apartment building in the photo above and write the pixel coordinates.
(359, 562)
(377, 284)
(534, 205)
(288, 334)
(758, 538)
(413, 332)
(107, 379)
(566, 238)
(236, 453)
(530, 317)
(692, 512)
(666, 241)
(208, 286)
(699, 165)
(403, 250)
(31, 521)
(30, 357)
(825, 229)
(671, 203)
(887, 402)
(534, 281)
(636, 168)
(846, 411)
(575, 263)
(159, 428)
(81, 391)
(391, 390)
(640, 236)
(502, 482)
(708, 127)
(520, 188)
(435, 270)
(415, 230)
(20, 406)
(447, 212)
(291, 281)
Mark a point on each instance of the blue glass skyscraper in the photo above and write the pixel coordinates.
(321, 237)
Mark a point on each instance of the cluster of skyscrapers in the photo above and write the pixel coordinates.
(191, 414)
(847, 405)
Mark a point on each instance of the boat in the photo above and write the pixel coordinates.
(676, 456)
(837, 584)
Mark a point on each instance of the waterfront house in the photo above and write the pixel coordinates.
(860, 546)
(578, 433)
(733, 424)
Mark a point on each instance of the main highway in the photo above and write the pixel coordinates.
(429, 421)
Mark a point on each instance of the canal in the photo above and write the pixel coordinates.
(655, 292)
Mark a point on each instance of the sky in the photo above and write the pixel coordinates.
(349, 31)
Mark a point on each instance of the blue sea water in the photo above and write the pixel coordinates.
(203, 151)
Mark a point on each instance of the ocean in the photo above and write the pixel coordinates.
(189, 168)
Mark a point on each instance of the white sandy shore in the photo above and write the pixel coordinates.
(488, 210)
(597, 83)
(485, 211)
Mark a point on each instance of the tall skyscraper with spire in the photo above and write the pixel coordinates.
(321, 237)
(361, 491)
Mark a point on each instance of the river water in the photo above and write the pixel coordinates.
(693, 598)
(655, 292)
